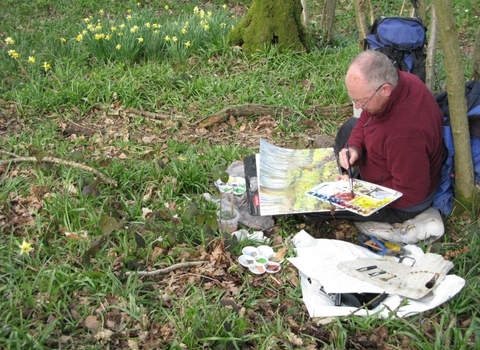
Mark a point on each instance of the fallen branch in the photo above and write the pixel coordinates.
(53, 160)
(167, 269)
(258, 109)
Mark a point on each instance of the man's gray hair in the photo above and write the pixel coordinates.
(376, 68)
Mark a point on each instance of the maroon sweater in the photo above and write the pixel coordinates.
(401, 146)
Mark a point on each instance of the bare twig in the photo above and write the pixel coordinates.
(167, 269)
(53, 160)
(7, 153)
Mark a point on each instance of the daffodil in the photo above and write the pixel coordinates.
(174, 39)
(79, 37)
(184, 31)
(13, 54)
(167, 7)
(46, 66)
(63, 40)
(140, 40)
(25, 247)
(148, 25)
(195, 10)
(113, 29)
(224, 6)
(187, 44)
(118, 47)
(129, 17)
(134, 29)
(167, 38)
(209, 14)
(139, 3)
(100, 11)
(122, 25)
(9, 41)
(31, 59)
(129, 11)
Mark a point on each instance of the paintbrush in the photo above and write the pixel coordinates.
(350, 178)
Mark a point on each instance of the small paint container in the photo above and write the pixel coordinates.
(250, 250)
(260, 262)
(265, 250)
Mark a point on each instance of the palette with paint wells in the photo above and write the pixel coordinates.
(368, 197)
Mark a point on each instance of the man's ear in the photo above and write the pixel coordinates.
(387, 89)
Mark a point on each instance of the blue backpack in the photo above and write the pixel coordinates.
(402, 39)
(444, 195)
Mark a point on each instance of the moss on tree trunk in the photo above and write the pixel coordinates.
(270, 22)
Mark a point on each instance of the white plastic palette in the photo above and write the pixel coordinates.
(237, 185)
(257, 260)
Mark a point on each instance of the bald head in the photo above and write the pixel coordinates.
(371, 68)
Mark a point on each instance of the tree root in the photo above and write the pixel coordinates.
(258, 109)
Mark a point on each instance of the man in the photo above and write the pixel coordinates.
(397, 140)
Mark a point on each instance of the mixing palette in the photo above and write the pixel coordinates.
(367, 199)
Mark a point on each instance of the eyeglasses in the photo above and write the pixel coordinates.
(362, 106)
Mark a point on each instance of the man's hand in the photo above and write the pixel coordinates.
(342, 157)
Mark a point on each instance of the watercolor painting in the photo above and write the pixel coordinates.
(284, 175)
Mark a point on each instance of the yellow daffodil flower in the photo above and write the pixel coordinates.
(101, 12)
(195, 10)
(175, 39)
(187, 44)
(184, 31)
(46, 66)
(224, 6)
(9, 41)
(134, 29)
(113, 29)
(129, 17)
(25, 247)
(13, 54)
(167, 7)
(118, 47)
(63, 40)
(31, 59)
(148, 25)
(140, 40)
(122, 25)
(167, 38)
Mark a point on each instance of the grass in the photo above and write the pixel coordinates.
(72, 290)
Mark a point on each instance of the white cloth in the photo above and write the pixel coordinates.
(317, 261)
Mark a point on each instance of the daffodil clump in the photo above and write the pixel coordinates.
(144, 35)
(21, 61)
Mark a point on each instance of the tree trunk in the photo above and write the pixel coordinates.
(328, 20)
(431, 50)
(270, 22)
(360, 16)
(476, 57)
(448, 35)
(304, 13)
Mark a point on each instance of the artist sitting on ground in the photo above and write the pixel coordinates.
(396, 142)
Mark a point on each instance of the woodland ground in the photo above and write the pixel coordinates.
(76, 288)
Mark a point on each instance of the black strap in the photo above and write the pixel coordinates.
(415, 7)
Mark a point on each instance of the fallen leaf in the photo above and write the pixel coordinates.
(92, 323)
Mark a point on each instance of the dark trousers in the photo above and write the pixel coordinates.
(389, 215)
